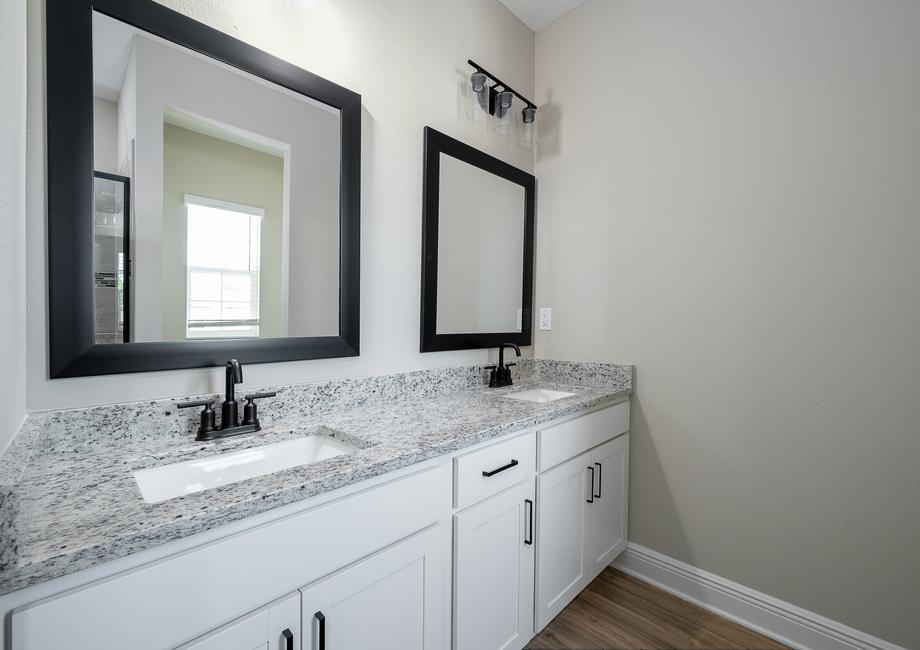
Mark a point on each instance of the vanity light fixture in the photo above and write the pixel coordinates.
(497, 99)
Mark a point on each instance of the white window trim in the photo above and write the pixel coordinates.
(243, 331)
(223, 205)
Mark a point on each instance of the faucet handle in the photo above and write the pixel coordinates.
(207, 403)
(493, 375)
(253, 396)
(208, 418)
(250, 410)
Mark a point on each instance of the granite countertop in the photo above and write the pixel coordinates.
(76, 509)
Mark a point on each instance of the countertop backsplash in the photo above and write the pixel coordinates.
(72, 430)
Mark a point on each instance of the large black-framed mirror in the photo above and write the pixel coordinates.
(477, 248)
(244, 206)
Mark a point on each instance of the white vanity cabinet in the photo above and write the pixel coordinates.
(494, 571)
(276, 627)
(581, 505)
(389, 601)
(478, 551)
(523, 552)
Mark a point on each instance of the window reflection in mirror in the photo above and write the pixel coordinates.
(480, 250)
(231, 225)
(223, 269)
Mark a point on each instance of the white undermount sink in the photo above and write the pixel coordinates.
(187, 477)
(541, 395)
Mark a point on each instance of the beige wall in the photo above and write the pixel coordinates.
(729, 198)
(12, 221)
(200, 165)
(407, 58)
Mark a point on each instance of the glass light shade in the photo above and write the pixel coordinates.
(479, 99)
(528, 126)
(480, 89)
(503, 101)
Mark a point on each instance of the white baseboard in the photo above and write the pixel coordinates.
(775, 618)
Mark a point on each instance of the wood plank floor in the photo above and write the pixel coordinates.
(618, 612)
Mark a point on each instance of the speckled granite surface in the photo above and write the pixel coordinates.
(68, 499)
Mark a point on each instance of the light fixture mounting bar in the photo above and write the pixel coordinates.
(501, 84)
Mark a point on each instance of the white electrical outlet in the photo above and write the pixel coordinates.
(546, 318)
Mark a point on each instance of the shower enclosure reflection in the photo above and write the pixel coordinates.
(111, 258)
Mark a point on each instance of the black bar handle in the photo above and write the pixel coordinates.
(600, 480)
(529, 539)
(591, 491)
(500, 469)
(201, 402)
(288, 639)
(253, 396)
(208, 423)
(321, 619)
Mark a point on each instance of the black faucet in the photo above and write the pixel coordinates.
(501, 374)
(229, 409)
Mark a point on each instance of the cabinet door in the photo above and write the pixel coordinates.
(388, 601)
(276, 627)
(562, 530)
(494, 572)
(608, 513)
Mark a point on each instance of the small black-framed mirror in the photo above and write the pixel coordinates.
(240, 235)
(477, 248)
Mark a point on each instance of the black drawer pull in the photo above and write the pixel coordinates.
(591, 489)
(322, 629)
(288, 639)
(529, 540)
(500, 469)
(600, 480)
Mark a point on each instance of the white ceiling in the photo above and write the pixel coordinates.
(537, 14)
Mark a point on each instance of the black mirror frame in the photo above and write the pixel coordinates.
(69, 82)
(437, 143)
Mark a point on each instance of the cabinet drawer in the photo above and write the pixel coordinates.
(562, 441)
(487, 471)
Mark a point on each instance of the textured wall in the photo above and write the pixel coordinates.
(408, 60)
(12, 218)
(729, 199)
